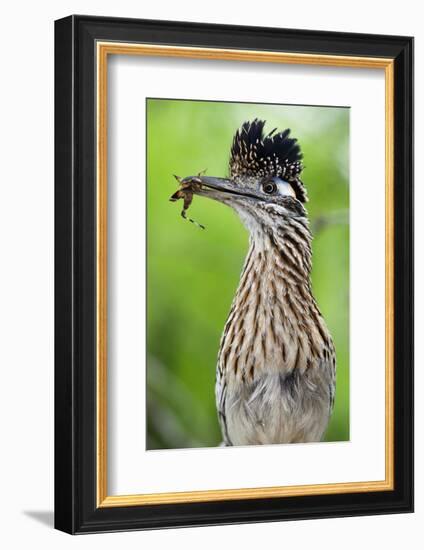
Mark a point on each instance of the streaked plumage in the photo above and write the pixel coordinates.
(275, 378)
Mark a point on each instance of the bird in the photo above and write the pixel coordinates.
(276, 367)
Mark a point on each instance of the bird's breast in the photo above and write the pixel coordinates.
(276, 362)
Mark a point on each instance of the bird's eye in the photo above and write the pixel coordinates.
(269, 187)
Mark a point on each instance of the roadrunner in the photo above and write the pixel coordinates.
(275, 377)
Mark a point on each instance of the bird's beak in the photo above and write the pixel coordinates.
(220, 189)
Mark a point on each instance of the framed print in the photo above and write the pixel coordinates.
(234, 272)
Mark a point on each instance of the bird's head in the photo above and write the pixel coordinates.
(263, 186)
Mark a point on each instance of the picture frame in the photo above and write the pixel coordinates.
(83, 45)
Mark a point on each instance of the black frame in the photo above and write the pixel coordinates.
(75, 274)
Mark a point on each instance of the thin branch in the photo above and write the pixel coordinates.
(338, 217)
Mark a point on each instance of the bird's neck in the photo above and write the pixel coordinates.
(274, 322)
(281, 258)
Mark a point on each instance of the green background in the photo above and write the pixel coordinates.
(192, 274)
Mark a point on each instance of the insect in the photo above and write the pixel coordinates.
(185, 192)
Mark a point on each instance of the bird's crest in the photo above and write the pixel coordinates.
(254, 154)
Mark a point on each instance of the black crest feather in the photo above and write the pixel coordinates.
(254, 154)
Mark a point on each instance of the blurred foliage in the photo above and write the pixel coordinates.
(193, 274)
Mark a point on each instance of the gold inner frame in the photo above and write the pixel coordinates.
(104, 49)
